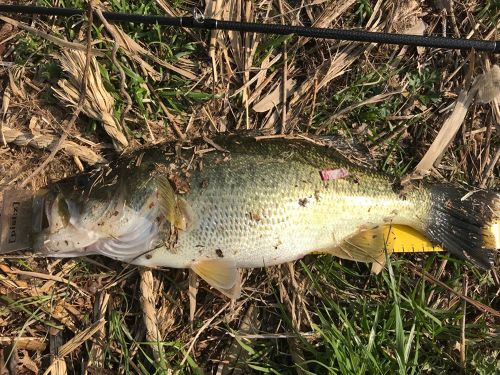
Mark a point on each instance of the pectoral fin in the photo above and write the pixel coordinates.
(173, 207)
(220, 274)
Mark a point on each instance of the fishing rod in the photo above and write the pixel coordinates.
(199, 21)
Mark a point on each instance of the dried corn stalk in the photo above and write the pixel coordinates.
(151, 318)
(47, 141)
(98, 102)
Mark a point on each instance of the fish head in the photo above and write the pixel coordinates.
(75, 214)
(122, 220)
(62, 231)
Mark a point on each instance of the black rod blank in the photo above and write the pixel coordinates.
(199, 22)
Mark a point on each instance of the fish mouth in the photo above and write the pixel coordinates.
(41, 219)
(43, 226)
(53, 217)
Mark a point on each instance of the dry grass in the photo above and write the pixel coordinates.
(86, 314)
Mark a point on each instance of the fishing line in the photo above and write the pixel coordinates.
(198, 21)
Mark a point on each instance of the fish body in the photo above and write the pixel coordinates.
(266, 204)
(252, 203)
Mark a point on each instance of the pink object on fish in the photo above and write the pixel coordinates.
(333, 174)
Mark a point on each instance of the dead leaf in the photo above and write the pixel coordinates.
(6, 32)
(3, 368)
(489, 86)
(274, 98)
(446, 133)
(15, 83)
(417, 29)
(134, 49)
(28, 363)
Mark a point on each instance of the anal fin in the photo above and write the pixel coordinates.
(221, 274)
(366, 246)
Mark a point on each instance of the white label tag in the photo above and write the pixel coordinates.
(16, 221)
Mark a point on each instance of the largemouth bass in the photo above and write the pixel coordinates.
(243, 203)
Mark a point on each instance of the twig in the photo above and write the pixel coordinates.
(454, 20)
(40, 275)
(5, 105)
(72, 345)
(22, 342)
(445, 135)
(372, 100)
(213, 41)
(79, 106)
(285, 75)
(193, 291)
(203, 328)
(58, 41)
(313, 105)
(234, 355)
(294, 344)
(465, 285)
(96, 357)
(262, 72)
(170, 117)
(481, 306)
(273, 336)
(214, 145)
(247, 62)
(133, 49)
(490, 168)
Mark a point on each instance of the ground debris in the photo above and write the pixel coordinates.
(384, 103)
